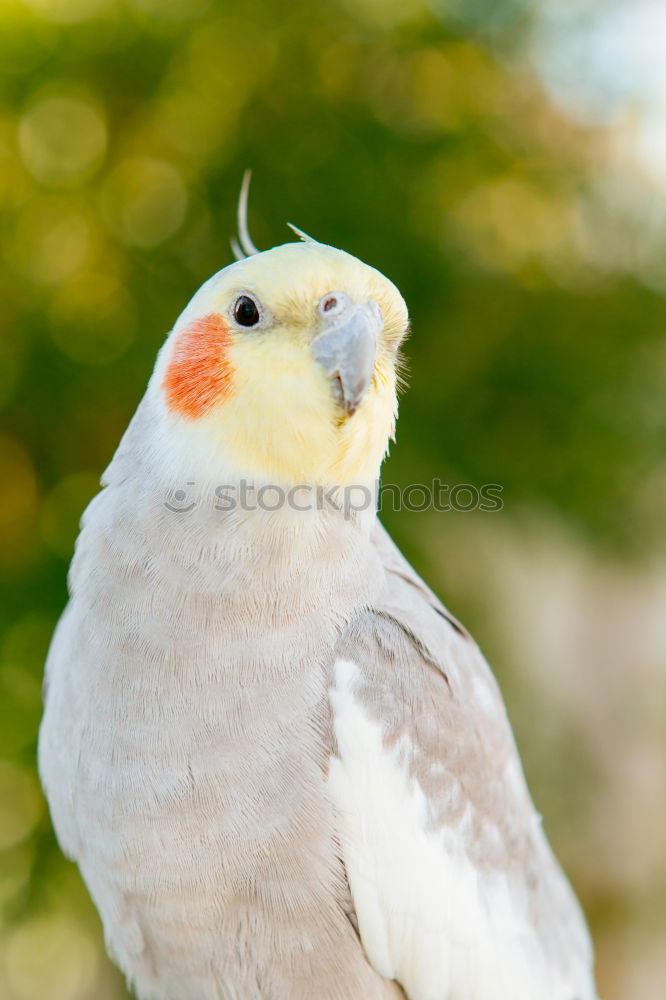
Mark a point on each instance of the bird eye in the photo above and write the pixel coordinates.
(246, 312)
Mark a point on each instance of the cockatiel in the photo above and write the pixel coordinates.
(285, 771)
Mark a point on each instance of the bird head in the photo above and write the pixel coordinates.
(285, 365)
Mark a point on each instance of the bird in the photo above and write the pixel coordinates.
(284, 769)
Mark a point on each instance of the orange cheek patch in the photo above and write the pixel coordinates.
(199, 373)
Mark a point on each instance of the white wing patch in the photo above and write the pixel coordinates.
(427, 917)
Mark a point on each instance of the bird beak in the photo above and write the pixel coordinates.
(346, 347)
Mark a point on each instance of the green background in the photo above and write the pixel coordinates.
(418, 137)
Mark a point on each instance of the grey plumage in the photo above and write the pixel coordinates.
(198, 753)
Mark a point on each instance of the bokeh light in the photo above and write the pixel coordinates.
(50, 956)
(62, 140)
(70, 11)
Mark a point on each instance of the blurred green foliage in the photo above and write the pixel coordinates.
(414, 135)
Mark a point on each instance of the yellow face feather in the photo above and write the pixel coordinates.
(272, 410)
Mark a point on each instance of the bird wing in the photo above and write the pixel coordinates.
(456, 891)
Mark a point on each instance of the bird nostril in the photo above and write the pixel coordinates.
(333, 304)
